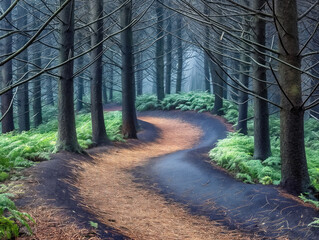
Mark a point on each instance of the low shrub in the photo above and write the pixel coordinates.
(235, 153)
(21, 150)
(146, 103)
(10, 217)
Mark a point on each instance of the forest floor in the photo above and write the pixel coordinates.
(134, 190)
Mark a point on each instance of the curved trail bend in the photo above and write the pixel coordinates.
(187, 177)
(110, 191)
(163, 187)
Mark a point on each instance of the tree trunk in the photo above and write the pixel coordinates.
(111, 77)
(169, 49)
(179, 55)
(206, 57)
(98, 126)
(218, 88)
(261, 114)
(37, 93)
(22, 68)
(67, 139)
(314, 112)
(80, 86)
(128, 81)
(6, 71)
(139, 75)
(206, 73)
(49, 98)
(104, 92)
(160, 53)
(243, 96)
(234, 95)
(49, 91)
(218, 83)
(294, 171)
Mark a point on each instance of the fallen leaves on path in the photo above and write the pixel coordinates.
(110, 191)
(53, 224)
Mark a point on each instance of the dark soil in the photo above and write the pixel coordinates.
(54, 178)
(188, 177)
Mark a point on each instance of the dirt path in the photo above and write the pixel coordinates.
(109, 189)
(158, 187)
(188, 177)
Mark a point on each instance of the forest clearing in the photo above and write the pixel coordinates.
(158, 119)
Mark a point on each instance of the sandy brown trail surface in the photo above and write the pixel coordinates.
(109, 191)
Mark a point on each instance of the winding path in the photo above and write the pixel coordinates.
(187, 177)
(163, 187)
(110, 190)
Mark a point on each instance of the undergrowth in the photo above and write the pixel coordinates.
(269, 171)
(10, 217)
(21, 150)
(235, 153)
(191, 101)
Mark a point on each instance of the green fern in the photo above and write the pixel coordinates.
(236, 152)
(307, 200)
(10, 217)
(315, 223)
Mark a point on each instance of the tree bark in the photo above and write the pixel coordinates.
(206, 73)
(48, 82)
(67, 139)
(206, 57)
(179, 55)
(218, 83)
(49, 91)
(139, 75)
(6, 71)
(104, 92)
(261, 113)
(169, 49)
(243, 96)
(80, 87)
(111, 77)
(128, 81)
(22, 68)
(294, 170)
(98, 126)
(217, 88)
(160, 53)
(37, 92)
